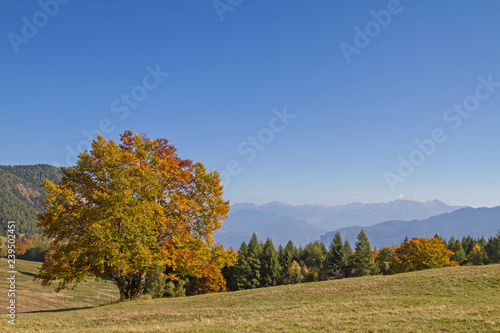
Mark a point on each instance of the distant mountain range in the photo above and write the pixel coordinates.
(466, 221)
(21, 197)
(304, 224)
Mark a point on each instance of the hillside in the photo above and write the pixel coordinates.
(32, 296)
(449, 299)
(21, 197)
(476, 222)
(306, 223)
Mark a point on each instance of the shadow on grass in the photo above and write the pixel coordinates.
(73, 309)
(28, 273)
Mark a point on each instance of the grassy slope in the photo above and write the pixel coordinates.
(449, 299)
(31, 296)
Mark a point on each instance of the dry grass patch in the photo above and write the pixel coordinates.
(449, 299)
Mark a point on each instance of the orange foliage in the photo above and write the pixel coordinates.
(20, 247)
(125, 209)
(422, 253)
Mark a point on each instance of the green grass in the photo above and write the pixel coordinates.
(31, 296)
(464, 299)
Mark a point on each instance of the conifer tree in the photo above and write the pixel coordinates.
(242, 269)
(363, 262)
(337, 258)
(270, 268)
(385, 259)
(493, 248)
(482, 243)
(467, 244)
(456, 247)
(348, 249)
(349, 253)
(451, 242)
(254, 250)
(287, 255)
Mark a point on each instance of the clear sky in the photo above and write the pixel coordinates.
(305, 102)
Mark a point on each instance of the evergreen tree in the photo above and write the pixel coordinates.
(287, 255)
(312, 259)
(482, 243)
(348, 249)
(349, 253)
(156, 282)
(438, 236)
(270, 268)
(467, 244)
(363, 262)
(254, 250)
(242, 269)
(385, 259)
(337, 258)
(451, 243)
(313, 255)
(456, 246)
(493, 249)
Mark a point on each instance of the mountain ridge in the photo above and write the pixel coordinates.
(477, 222)
(308, 222)
(21, 197)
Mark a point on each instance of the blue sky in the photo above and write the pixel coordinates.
(67, 67)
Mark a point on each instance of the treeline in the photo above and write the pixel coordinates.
(261, 265)
(31, 248)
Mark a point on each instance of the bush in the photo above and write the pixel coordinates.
(155, 283)
(36, 253)
(176, 288)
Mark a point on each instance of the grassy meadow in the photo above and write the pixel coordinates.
(31, 296)
(464, 299)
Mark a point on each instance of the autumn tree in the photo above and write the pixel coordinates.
(20, 247)
(294, 274)
(422, 253)
(125, 209)
(363, 260)
(3, 248)
(476, 256)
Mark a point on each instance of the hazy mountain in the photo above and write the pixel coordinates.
(240, 225)
(476, 222)
(303, 224)
(21, 197)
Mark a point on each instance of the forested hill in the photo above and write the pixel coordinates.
(21, 197)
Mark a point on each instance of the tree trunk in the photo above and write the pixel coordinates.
(131, 286)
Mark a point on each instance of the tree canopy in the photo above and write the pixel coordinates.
(125, 209)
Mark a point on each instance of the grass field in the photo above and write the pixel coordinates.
(31, 296)
(463, 299)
